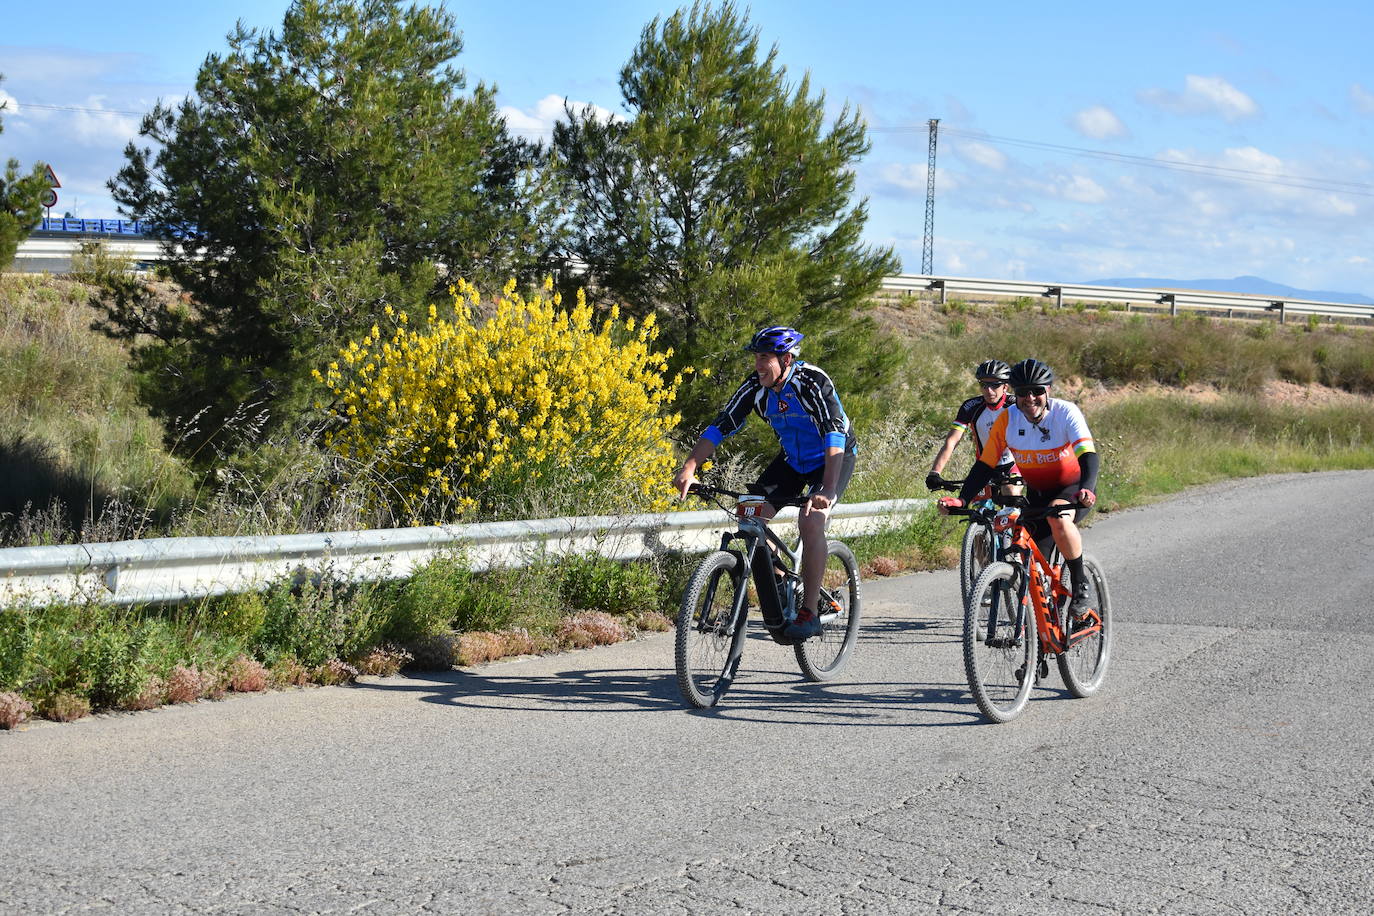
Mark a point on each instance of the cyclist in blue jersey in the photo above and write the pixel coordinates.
(799, 402)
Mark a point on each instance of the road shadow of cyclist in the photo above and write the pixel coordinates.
(767, 693)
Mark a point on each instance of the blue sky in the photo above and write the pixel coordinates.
(1169, 139)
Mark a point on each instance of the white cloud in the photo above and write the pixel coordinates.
(1204, 95)
(540, 119)
(1362, 99)
(1098, 122)
(9, 105)
(981, 154)
(905, 176)
(1079, 189)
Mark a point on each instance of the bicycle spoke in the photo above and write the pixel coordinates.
(999, 645)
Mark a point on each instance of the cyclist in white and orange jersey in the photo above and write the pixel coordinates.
(1055, 454)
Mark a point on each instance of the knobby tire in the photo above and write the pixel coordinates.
(821, 657)
(707, 632)
(1001, 673)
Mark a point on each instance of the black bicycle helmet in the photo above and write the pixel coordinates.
(992, 368)
(1030, 372)
(779, 339)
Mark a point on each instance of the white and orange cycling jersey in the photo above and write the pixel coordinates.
(1046, 452)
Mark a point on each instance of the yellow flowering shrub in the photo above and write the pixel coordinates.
(466, 414)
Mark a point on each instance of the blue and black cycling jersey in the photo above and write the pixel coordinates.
(806, 416)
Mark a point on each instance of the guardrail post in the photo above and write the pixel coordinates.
(1169, 300)
(1283, 311)
(1058, 293)
(940, 285)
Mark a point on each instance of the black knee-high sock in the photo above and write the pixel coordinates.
(1076, 570)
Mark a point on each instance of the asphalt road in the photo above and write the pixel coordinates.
(1227, 766)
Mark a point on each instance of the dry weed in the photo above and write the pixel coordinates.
(881, 566)
(654, 622)
(151, 696)
(65, 707)
(246, 675)
(185, 685)
(591, 628)
(334, 672)
(435, 653)
(288, 672)
(13, 709)
(383, 661)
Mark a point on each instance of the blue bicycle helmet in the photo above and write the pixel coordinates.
(779, 339)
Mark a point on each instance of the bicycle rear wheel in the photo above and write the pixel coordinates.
(1000, 646)
(1084, 665)
(974, 556)
(707, 631)
(821, 657)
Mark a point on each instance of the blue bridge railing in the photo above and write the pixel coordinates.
(101, 226)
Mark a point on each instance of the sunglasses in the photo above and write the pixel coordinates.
(1037, 390)
(990, 385)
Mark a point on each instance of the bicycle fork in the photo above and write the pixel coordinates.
(1010, 635)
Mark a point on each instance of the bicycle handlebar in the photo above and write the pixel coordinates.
(998, 479)
(1027, 512)
(706, 491)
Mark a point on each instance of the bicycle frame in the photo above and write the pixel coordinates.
(760, 554)
(1041, 585)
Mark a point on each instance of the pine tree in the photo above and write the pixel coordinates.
(724, 203)
(315, 175)
(21, 202)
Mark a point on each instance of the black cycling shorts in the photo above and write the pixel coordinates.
(1040, 528)
(780, 482)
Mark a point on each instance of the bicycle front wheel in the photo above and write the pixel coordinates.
(821, 657)
(974, 556)
(1000, 646)
(1084, 665)
(708, 634)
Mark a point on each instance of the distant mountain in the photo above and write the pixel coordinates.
(1256, 286)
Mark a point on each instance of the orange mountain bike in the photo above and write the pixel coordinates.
(1016, 616)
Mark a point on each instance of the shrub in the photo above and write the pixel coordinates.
(184, 685)
(653, 622)
(460, 415)
(287, 671)
(425, 604)
(438, 652)
(151, 696)
(591, 628)
(14, 709)
(333, 672)
(504, 599)
(322, 619)
(246, 675)
(383, 661)
(595, 583)
(64, 707)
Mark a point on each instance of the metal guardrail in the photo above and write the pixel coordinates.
(55, 255)
(36, 255)
(170, 570)
(1172, 299)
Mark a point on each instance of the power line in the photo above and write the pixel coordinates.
(1304, 182)
(23, 105)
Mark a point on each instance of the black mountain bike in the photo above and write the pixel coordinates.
(713, 621)
(981, 545)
